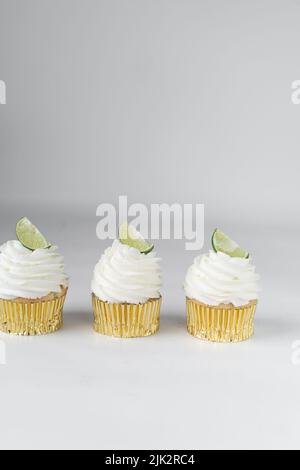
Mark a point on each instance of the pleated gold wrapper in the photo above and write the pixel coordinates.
(222, 323)
(126, 320)
(32, 317)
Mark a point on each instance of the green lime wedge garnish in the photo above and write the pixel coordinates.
(30, 236)
(128, 235)
(221, 242)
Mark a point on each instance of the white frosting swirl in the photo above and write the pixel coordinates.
(124, 275)
(30, 274)
(217, 278)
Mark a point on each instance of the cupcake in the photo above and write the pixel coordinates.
(221, 293)
(33, 284)
(126, 288)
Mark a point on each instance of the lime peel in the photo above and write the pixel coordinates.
(221, 242)
(30, 236)
(128, 235)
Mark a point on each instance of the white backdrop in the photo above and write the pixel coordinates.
(165, 101)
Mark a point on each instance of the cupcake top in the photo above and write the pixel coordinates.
(124, 274)
(30, 273)
(222, 278)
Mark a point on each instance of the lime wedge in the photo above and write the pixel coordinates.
(128, 235)
(221, 242)
(30, 236)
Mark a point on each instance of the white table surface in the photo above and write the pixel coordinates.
(77, 389)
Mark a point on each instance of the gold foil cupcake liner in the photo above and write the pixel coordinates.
(223, 323)
(126, 320)
(32, 317)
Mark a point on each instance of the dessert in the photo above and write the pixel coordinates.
(33, 283)
(126, 287)
(221, 292)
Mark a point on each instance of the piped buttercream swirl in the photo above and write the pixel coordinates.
(216, 278)
(30, 274)
(124, 275)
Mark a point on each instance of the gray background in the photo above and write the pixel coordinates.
(164, 101)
